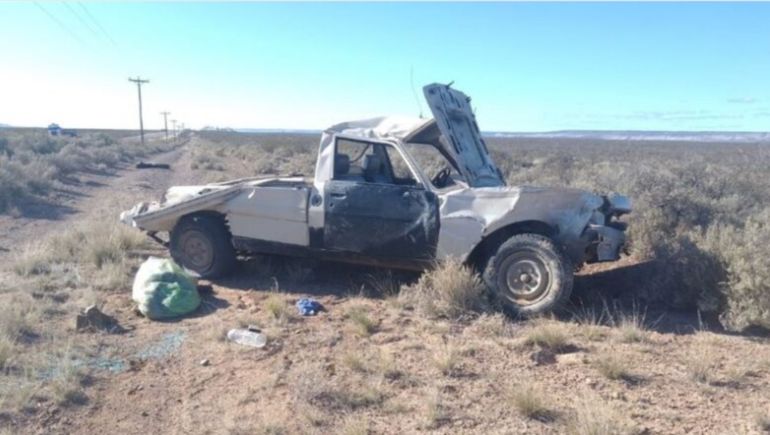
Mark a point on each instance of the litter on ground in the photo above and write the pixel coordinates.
(309, 307)
(246, 337)
(164, 290)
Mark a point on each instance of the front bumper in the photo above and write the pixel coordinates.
(604, 243)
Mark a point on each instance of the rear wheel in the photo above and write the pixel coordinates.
(529, 275)
(202, 245)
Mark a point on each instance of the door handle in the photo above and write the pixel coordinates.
(337, 195)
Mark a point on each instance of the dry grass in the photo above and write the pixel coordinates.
(529, 400)
(34, 259)
(278, 309)
(66, 387)
(387, 366)
(592, 322)
(594, 416)
(32, 163)
(360, 321)
(90, 249)
(631, 326)
(436, 412)
(385, 283)
(355, 426)
(614, 366)
(17, 393)
(702, 365)
(20, 316)
(450, 290)
(351, 398)
(7, 351)
(316, 389)
(762, 421)
(65, 271)
(491, 326)
(353, 360)
(447, 359)
(551, 335)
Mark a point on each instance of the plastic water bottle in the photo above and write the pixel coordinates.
(247, 338)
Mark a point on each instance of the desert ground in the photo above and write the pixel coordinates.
(671, 339)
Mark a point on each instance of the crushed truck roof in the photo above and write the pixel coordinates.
(383, 128)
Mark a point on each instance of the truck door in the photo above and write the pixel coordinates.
(375, 207)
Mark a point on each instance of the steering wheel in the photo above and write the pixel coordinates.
(442, 177)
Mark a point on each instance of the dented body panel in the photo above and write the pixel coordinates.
(341, 215)
(469, 215)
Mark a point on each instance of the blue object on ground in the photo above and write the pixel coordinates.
(309, 307)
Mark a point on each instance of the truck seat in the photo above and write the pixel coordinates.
(341, 165)
(374, 170)
(342, 169)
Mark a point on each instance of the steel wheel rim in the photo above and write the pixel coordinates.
(525, 278)
(197, 249)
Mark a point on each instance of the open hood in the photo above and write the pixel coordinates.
(454, 116)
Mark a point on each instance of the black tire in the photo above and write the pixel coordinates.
(529, 275)
(202, 244)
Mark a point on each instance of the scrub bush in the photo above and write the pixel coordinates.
(32, 162)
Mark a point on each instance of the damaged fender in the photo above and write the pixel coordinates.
(470, 215)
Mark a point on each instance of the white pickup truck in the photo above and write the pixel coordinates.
(399, 193)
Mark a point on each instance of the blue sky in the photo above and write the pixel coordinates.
(528, 66)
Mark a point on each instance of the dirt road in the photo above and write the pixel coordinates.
(94, 193)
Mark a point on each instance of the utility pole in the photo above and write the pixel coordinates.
(165, 123)
(173, 126)
(139, 82)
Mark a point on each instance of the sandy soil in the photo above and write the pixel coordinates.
(408, 374)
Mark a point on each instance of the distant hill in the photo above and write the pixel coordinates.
(278, 130)
(686, 136)
(636, 135)
(4, 125)
(210, 128)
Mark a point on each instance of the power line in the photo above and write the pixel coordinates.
(81, 19)
(139, 82)
(96, 23)
(60, 24)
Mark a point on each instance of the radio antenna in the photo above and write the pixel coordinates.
(414, 90)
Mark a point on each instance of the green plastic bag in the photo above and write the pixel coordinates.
(163, 290)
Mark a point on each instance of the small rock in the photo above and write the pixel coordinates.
(570, 358)
(93, 319)
(145, 414)
(204, 362)
(543, 357)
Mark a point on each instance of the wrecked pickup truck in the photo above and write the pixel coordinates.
(399, 193)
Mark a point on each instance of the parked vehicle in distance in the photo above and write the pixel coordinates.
(56, 130)
(379, 198)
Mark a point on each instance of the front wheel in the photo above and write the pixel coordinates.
(202, 245)
(529, 275)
